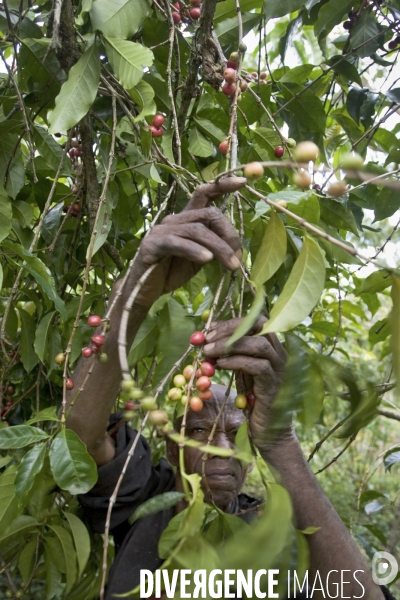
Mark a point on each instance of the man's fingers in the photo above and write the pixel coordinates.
(158, 247)
(212, 218)
(248, 365)
(207, 192)
(257, 347)
(224, 329)
(207, 238)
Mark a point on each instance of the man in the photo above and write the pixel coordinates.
(180, 246)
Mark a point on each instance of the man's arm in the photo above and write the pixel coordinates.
(261, 360)
(179, 246)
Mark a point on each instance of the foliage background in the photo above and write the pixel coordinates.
(96, 73)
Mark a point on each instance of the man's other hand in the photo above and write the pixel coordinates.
(184, 242)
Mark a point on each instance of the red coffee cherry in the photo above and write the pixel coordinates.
(231, 64)
(263, 75)
(197, 338)
(203, 383)
(243, 86)
(97, 340)
(196, 404)
(230, 75)
(279, 151)
(94, 320)
(69, 384)
(95, 349)
(223, 147)
(156, 132)
(229, 89)
(251, 399)
(195, 13)
(87, 352)
(158, 121)
(207, 369)
(129, 405)
(205, 395)
(188, 371)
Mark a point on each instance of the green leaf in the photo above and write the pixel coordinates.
(330, 15)
(392, 457)
(5, 215)
(39, 272)
(120, 18)
(170, 536)
(18, 528)
(20, 436)
(53, 575)
(26, 560)
(69, 553)
(250, 319)
(156, 505)
(41, 335)
(28, 326)
(297, 74)
(144, 342)
(337, 215)
(394, 323)
(47, 414)
(1, 277)
(78, 92)
(210, 130)
(307, 109)
(8, 500)
(72, 466)
(198, 144)
(103, 226)
(143, 95)
(366, 28)
(32, 66)
(30, 466)
(128, 60)
(272, 251)
(376, 282)
(279, 8)
(81, 539)
(242, 441)
(301, 291)
(49, 149)
(363, 413)
(345, 68)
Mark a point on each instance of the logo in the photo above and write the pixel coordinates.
(384, 568)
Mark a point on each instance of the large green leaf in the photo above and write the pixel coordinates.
(307, 108)
(41, 335)
(365, 35)
(69, 554)
(32, 66)
(272, 251)
(53, 574)
(8, 500)
(81, 539)
(78, 92)
(20, 436)
(337, 215)
(28, 326)
(120, 18)
(198, 144)
(331, 14)
(5, 214)
(18, 528)
(156, 505)
(279, 8)
(29, 467)
(302, 289)
(128, 60)
(72, 466)
(26, 560)
(49, 149)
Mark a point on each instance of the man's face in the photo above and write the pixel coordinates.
(222, 478)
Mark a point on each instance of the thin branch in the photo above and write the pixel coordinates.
(351, 440)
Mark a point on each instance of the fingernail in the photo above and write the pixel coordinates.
(211, 335)
(208, 347)
(234, 262)
(206, 256)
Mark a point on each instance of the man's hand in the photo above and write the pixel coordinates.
(183, 243)
(260, 362)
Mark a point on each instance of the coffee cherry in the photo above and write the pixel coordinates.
(87, 352)
(129, 415)
(102, 358)
(69, 384)
(158, 417)
(229, 89)
(205, 315)
(94, 348)
(352, 161)
(306, 151)
(282, 203)
(184, 399)
(231, 64)
(129, 405)
(197, 338)
(242, 47)
(97, 339)
(291, 143)
(263, 76)
(393, 44)
(177, 6)
(127, 385)
(188, 372)
(176, 17)
(212, 361)
(75, 209)
(174, 394)
(195, 13)
(243, 86)
(205, 395)
(136, 393)
(158, 121)
(347, 25)
(337, 189)
(249, 78)
(251, 399)
(207, 369)
(253, 170)
(316, 186)
(196, 403)
(279, 151)
(148, 403)
(241, 401)
(59, 358)
(302, 180)
(223, 147)
(58, 135)
(155, 132)
(179, 380)
(94, 320)
(234, 57)
(10, 390)
(230, 75)
(203, 383)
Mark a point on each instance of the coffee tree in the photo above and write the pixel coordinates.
(111, 114)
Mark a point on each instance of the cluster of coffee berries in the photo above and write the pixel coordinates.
(180, 13)
(242, 401)
(133, 398)
(8, 393)
(230, 75)
(202, 382)
(253, 77)
(392, 45)
(156, 126)
(74, 210)
(76, 148)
